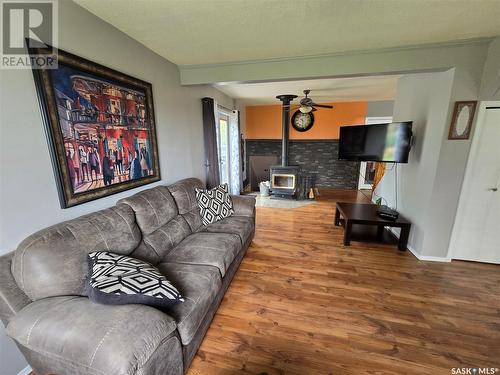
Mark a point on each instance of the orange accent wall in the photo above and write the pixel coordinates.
(264, 121)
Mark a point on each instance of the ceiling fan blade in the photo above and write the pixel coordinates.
(322, 105)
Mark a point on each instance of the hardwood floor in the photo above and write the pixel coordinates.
(302, 303)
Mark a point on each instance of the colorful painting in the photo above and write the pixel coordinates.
(100, 126)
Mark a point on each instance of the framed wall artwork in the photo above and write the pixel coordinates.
(461, 121)
(100, 128)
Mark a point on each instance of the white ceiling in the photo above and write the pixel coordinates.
(189, 32)
(371, 88)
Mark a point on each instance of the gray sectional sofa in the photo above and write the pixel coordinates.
(60, 331)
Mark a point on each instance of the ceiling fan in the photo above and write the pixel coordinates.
(303, 118)
(307, 105)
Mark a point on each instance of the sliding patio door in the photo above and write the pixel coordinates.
(228, 149)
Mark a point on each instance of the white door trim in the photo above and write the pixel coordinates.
(459, 216)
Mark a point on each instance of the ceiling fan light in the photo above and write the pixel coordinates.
(305, 109)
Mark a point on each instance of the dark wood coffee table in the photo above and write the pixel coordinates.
(366, 214)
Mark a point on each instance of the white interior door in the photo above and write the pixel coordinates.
(476, 234)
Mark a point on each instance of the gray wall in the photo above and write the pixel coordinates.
(490, 83)
(28, 195)
(424, 99)
(381, 108)
(430, 184)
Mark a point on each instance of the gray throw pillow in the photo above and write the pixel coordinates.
(214, 204)
(118, 279)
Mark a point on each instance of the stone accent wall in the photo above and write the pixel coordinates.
(320, 157)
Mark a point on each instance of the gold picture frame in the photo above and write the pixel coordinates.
(461, 121)
(100, 128)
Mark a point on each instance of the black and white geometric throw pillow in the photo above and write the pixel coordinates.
(214, 204)
(118, 279)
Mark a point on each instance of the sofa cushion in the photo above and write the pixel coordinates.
(163, 240)
(100, 338)
(199, 285)
(12, 299)
(213, 249)
(244, 205)
(53, 261)
(214, 204)
(184, 195)
(118, 279)
(153, 208)
(240, 225)
(161, 225)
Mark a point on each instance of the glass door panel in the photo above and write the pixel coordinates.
(223, 147)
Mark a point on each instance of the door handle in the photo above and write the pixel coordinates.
(492, 189)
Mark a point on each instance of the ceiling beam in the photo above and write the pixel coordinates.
(468, 55)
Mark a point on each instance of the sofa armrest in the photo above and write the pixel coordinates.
(243, 205)
(12, 299)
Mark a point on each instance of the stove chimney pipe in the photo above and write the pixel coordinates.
(285, 118)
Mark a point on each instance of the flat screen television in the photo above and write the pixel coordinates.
(379, 142)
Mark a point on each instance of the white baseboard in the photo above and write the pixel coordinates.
(428, 258)
(425, 258)
(25, 371)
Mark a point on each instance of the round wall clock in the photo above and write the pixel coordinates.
(302, 121)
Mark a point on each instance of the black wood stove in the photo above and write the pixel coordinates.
(284, 178)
